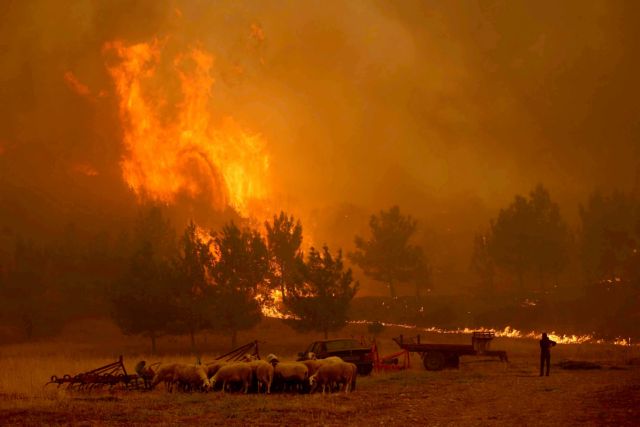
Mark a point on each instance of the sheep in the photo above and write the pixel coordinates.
(273, 359)
(191, 377)
(354, 367)
(213, 367)
(313, 365)
(329, 373)
(263, 373)
(166, 374)
(291, 373)
(145, 372)
(233, 372)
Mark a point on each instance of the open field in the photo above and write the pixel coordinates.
(481, 392)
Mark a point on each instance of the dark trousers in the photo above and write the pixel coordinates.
(545, 359)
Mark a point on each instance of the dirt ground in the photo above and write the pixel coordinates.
(481, 392)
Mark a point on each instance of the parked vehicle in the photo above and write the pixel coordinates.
(347, 349)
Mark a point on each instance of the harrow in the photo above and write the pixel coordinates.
(111, 375)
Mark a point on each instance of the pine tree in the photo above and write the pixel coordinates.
(322, 302)
(238, 273)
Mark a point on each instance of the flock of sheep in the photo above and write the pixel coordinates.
(262, 376)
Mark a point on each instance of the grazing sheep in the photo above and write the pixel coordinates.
(352, 387)
(238, 372)
(263, 373)
(313, 365)
(145, 372)
(333, 359)
(330, 373)
(165, 374)
(293, 374)
(213, 367)
(191, 377)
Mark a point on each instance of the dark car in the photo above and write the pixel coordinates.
(349, 350)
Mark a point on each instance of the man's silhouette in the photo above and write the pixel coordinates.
(545, 352)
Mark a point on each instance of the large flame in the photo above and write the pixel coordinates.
(174, 146)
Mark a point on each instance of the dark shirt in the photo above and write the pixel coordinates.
(545, 345)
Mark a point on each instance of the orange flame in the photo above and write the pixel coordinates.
(175, 148)
(507, 332)
(75, 84)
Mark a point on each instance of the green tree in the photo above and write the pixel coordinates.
(530, 237)
(143, 300)
(322, 302)
(238, 274)
(388, 255)
(195, 296)
(284, 238)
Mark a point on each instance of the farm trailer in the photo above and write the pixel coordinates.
(439, 356)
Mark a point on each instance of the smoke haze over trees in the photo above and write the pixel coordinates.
(452, 111)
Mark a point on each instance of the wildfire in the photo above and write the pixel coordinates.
(507, 332)
(175, 147)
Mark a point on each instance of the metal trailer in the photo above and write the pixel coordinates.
(439, 356)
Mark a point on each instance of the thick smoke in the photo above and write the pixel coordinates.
(446, 108)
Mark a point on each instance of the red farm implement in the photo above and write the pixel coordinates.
(391, 362)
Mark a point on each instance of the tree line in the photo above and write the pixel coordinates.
(220, 280)
(154, 281)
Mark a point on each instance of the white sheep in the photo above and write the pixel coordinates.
(191, 377)
(294, 374)
(165, 374)
(239, 372)
(313, 365)
(330, 373)
(263, 373)
(213, 367)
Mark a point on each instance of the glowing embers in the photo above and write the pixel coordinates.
(173, 145)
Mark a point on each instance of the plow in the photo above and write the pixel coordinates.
(110, 375)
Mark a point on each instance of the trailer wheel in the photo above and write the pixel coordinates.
(433, 360)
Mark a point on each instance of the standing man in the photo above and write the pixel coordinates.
(545, 352)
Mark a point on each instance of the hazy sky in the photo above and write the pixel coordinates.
(436, 105)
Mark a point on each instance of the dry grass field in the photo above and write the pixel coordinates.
(481, 392)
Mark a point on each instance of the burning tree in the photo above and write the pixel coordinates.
(321, 302)
(239, 272)
(388, 256)
(284, 237)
